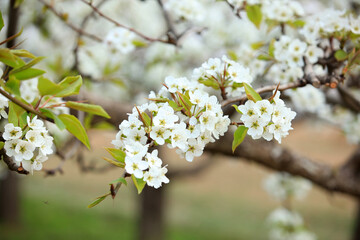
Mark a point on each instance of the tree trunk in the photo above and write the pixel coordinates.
(151, 222)
(9, 199)
(9, 186)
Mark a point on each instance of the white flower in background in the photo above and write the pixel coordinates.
(282, 186)
(308, 99)
(29, 90)
(186, 9)
(120, 39)
(285, 217)
(313, 53)
(287, 225)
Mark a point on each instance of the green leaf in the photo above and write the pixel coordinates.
(254, 14)
(98, 200)
(341, 55)
(13, 86)
(297, 23)
(146, 118)
(251, 93)
(265, 57)
(22, 53)
(1, 21)
(103, 125)
(139, 183)
(48, 113)
(2, 143)
(239, 136)
(175, 106)
(237, 108)
(74, 126)
(210, 83)
(116, 163)
(90, 108)
(257, 45)
(184, 100)
(67, 87)
(29, 73)
(118, 154)
(10, 59)
(138, 43)
(26, 66)
(15, 113)
(232, 54)
(120, 180)
(272, 48)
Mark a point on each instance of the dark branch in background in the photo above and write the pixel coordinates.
(63, 17)
(327, 81)
(12, 23)
(343, 180)
(171, 33)
(349, 99)
(150, 39)
(79, 35)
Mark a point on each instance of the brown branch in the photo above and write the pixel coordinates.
(331, 81)
(351, 102)
(281, 159)
(62, 17)
(24, 106)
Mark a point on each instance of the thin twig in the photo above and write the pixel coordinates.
(73, 27)
(150, 39)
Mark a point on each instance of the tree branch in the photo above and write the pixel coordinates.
(281, 159)
(150, 39)
(62, 17)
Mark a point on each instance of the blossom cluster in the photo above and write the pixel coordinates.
(290, 53)
(309, 99)
(30, 147)
(182, 115)
(282, 10)
(120, 39)
(283, 186)
(278, 10)
(224, 71)
(267, 119)
(186, 9)
(288, 225)
(328, 22)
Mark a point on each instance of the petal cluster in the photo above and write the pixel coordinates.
(29, 148)
(267, 119)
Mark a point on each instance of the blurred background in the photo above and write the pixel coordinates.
(224, 200)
